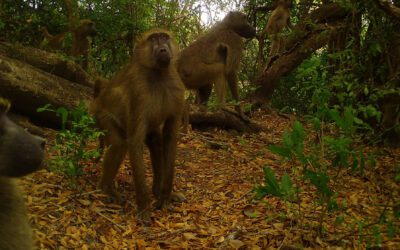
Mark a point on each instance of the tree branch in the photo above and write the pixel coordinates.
(389, 8)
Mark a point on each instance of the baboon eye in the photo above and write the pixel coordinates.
(164, 37)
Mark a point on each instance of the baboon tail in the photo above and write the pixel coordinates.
(220, 88)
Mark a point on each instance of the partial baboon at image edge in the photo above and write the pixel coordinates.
(20, 154)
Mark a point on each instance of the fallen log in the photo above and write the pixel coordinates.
(223, 119)
(52, 63)
(29, 88)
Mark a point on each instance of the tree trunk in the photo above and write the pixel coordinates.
(223, 119)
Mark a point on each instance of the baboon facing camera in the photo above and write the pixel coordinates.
(142, 105)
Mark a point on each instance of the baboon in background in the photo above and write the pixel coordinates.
(214, 58)
(53, 42)
(81, 41)
(143, 104)
(279, 19)
(81, 31)
(20, 154)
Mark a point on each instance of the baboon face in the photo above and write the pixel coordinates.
(239, 23)
(160, 48)
(20, 152)
(88, 28)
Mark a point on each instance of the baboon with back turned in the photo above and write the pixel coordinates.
(279, 19)
(81, 41)
(20, 154)
(143, 104)
(214, 58)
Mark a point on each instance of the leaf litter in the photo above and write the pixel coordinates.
(219, 213)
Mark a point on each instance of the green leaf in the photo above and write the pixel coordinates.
(45, 108)
(271, 182)
(391, 230)
(284, 152)
(286, 187)
(339, 220)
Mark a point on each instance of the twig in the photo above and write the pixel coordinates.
(86, 193)
(110, 220)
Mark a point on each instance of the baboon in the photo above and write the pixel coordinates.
(81, 42)
(20, 154)
(55, 42)
(143, 104)
(279, 19)
(214, 58)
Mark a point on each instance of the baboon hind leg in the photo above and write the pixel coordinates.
(154, 143)
(116, 150)
(113, 158)
(202, 96)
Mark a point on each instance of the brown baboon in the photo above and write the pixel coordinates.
(214, 58)
(143, 104)
(53, 42)
(20, 153)
(81, 42)
(81, 31)
(279, 19)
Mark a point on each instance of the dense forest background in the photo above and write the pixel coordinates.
(325, 147)
(356, 57)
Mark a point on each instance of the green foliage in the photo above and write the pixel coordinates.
(334, 150)
(294, 94)
(69, 153)
(283, 188)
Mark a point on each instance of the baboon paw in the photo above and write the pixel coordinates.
(162, 204)
(112, 196)
(178, 197)
(117, 199)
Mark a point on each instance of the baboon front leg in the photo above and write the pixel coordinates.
(136, 144)
(170, 131)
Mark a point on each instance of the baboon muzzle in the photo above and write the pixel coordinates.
(163, 57)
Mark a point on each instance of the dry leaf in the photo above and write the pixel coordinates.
(236, 244)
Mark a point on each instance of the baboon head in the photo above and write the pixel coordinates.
(156, 49)
(20, 152)
(285, 3)
(87, 28)
(238, 22)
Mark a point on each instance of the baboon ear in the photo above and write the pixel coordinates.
(4, 106)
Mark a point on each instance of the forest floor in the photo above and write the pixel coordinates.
(217, 171)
